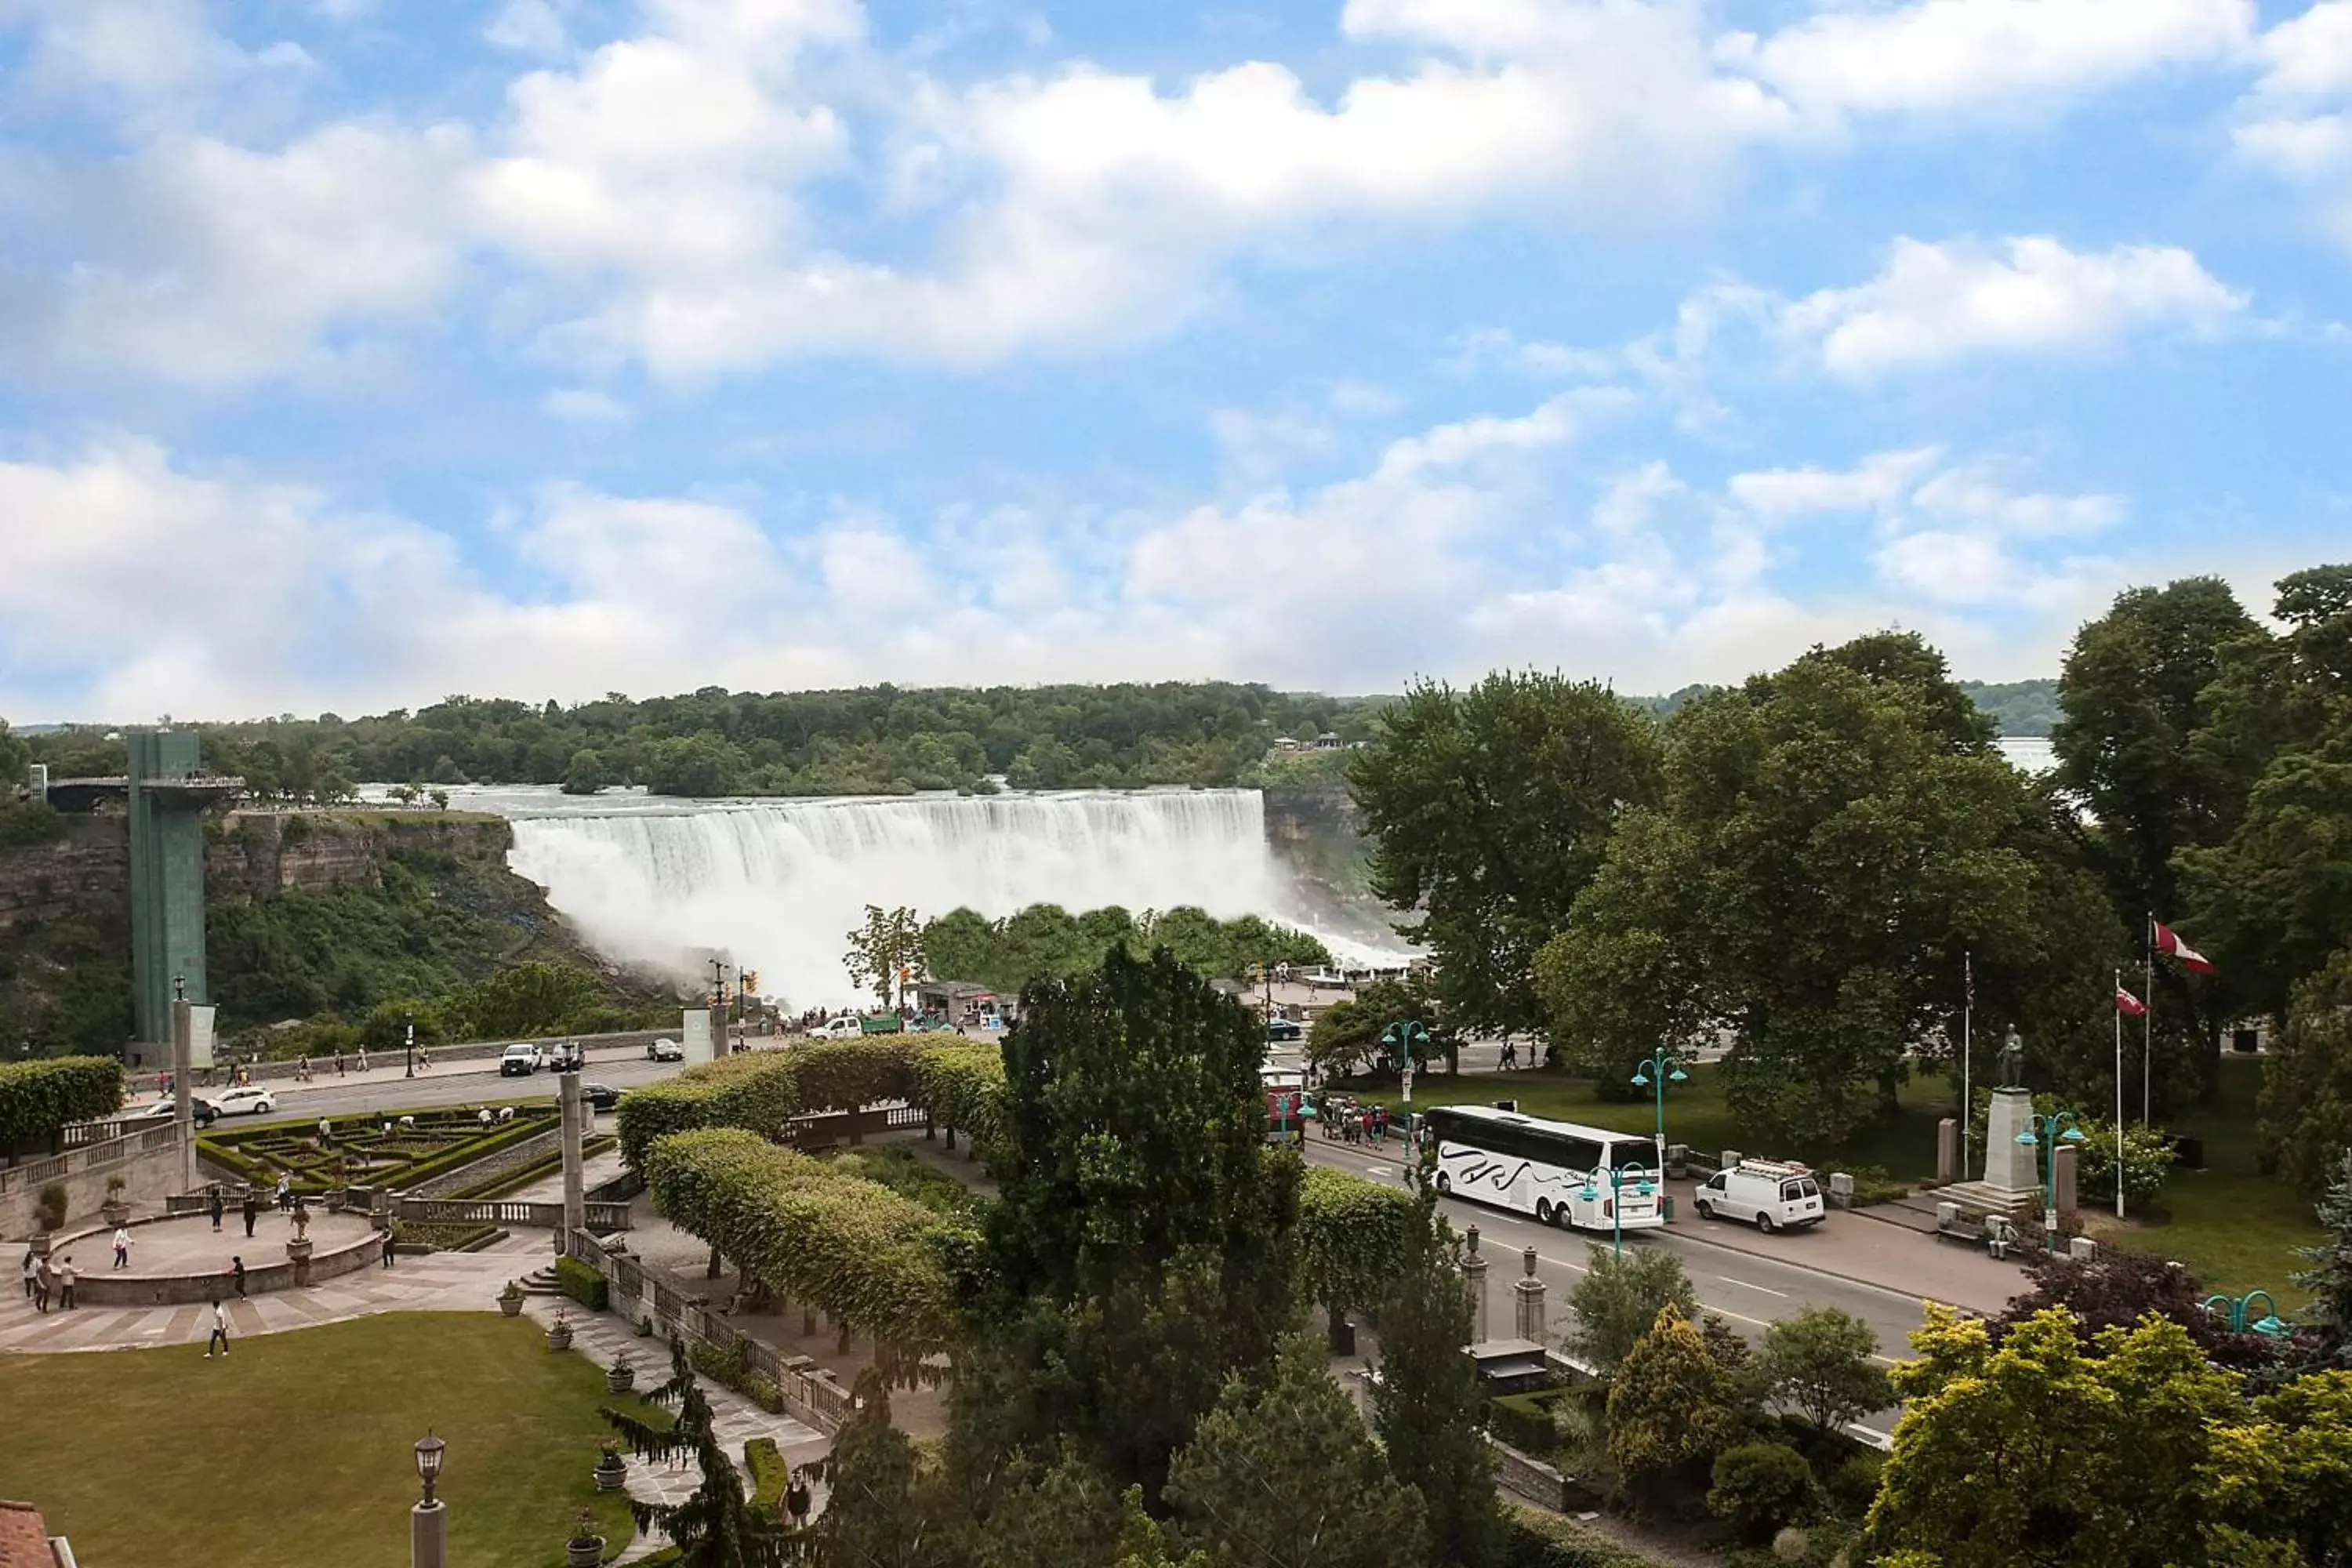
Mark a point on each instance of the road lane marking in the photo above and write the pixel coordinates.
(1744, 1284)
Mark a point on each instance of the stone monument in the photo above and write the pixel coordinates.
(2011, 1184)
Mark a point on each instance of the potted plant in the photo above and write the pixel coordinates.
(559, 1332)
(586, 1548)
(612, 1470)
(511, 1299)
(49, 1213)
(114, 1210)
(645, 1327)
(621, 1377)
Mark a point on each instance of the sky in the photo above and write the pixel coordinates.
(358, 353)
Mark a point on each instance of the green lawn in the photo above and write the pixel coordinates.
(299, 1449)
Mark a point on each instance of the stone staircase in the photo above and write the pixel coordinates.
(542, 1282)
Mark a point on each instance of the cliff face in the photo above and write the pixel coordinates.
(1312, 829)
(252, 855)
(84, 874)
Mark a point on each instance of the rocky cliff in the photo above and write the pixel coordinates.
(1313, 829)
(259, 854)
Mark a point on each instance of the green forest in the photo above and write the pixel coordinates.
(881, 739)
(1046, 941)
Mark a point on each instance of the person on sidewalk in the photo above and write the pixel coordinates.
(252, 1209)
(122, 1246)
(32, 1272)
(236, 1276)
(220, 1330)
(217, 1205)
(66, 1284)
(389, 1242)
(42, 1283)
(285, 1190)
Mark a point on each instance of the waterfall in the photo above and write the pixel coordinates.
(775, 884)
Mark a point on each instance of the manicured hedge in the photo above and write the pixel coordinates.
(584, 1284)
(1533, 1539)
(816, 1235)
(37, 1097)
(1350, 1237)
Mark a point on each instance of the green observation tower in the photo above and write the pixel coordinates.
(168, 794)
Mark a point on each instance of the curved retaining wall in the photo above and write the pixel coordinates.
(105, 1289)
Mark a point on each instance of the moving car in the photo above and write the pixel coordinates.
(249, 1099)
(664, 1050)
(568, 1057)
(603, 1096)
(203, 1110)
(1283, 1029)
(1767, 1193)
(521, 1061)
(845, 1028)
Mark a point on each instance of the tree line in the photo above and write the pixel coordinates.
(1816, 861)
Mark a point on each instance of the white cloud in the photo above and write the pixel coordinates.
(1937, 303)
(585, 406)
(2297, 121)
(1944, 55)
(2310, 55)
(529, 27)
(1874, 486)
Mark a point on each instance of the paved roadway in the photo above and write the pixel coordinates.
(386, 1087)
(1746, 1291)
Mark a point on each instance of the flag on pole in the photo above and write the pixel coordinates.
(2169, 943)
(2129, 1006)
(1969, 979)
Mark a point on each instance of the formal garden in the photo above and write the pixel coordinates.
(393, 1148)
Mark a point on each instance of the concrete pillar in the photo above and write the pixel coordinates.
(184, 1109)
(575, 1191)
(1948, 1150)
(1529, 1317)
(428, 1535)
(2010, 1165)
(2065, 1159)
(1474, 1269)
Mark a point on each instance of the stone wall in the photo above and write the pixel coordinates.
(148, 1176)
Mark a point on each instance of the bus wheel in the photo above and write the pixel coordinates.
(1543, 1211)
(1444, 1182)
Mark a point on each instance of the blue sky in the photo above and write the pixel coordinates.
(356, 354)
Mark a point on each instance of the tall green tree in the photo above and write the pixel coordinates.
(1488, 811)
(1139, 1250)
(1619, 1300)
(870, 1519)
(1281, 1474)
(887, 952)
(2328, 1276)
(1832, 839)
(1429, 1405)
(2307, 1096)
(715, 1526)
(1822, 1364)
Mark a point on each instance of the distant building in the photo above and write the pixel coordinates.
(25, 1540)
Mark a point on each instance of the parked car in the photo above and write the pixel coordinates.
(203, 1110)
(250, 1100)
(664, 1050)
(1283, 1029)
(1767, 1193)
(603, 1096)
(521, 1061)
(845, 1028)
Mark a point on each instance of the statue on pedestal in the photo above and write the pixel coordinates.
(2013, 1061)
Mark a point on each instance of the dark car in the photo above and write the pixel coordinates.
(568, 1057)
(602, 1096)
(1283, 1029)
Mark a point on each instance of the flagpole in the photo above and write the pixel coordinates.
(2146, 1025)
(1967, 1022)
(2119, 1094)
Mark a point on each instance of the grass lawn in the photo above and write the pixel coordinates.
(2236, 1228)
(299, 1449)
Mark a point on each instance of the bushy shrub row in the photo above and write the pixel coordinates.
(1350, 1237)
(584, 1284)
(1536, 1540)
(39, 1097)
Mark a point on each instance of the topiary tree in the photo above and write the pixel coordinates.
(1672, 1408)
(1821, 1364)
(1759, 1487)
(716, 1526)
(37, 1097)
(1618, 1300)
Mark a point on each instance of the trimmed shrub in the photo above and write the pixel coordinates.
(584, 1284)
(1350, 1238)
(49, 1206)
(1760, 1487)
(1536, 1540)
(770, 1473)
(39, 1097)
(1854, 1485)
(1524, 1422)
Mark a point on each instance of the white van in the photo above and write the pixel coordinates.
(1767, 1193)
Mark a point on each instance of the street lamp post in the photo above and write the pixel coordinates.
(2050, 1130)
(1401, 1037)
(2238, 1312)
(428, 1521)
(1618, 1176)
(1657, 1071)
(408, 1032)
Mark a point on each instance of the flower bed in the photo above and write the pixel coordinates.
(361, 1152)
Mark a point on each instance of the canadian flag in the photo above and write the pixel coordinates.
(2129, 1006)
(2169, 943)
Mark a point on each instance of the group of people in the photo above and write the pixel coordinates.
(1349, 1123)
(49, 1281)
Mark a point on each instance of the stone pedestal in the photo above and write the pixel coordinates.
(1527, 1302)
(2067, 1158)
(2009, 1164)
(299, 1252)
(428, 1535)
(1948, 1150)
(1474, 1269)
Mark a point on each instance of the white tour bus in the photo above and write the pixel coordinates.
(1540, 1167)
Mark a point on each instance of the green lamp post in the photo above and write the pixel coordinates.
(2239, 1313)
(1618, 1176)
(2050, 1130)
(1401, 1037)
(1656, 1071)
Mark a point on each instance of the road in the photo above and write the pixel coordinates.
(1746, 1290)
(386, 1088)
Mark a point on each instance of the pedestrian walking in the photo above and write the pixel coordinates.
(236, 1276)
(32, 1272)
(122, 1246)
(362, 1058)
(219, 1338)
(285, 1189)
(43, 1283)
(252, 1209)
(389, 1242)
(218, 1204)
(65, 1275)
(338, 1064)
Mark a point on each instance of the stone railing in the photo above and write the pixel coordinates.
(87, 1157)
(604, 1218)
(618, 1189)
(810, 1391)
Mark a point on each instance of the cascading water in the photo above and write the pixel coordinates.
(777, 883)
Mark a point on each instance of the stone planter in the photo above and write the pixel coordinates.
(558, 1338)
(114, 1211)
(578, 1552)
(299, 1251)
(612, 1474)
(620, 1377)
(511, 1305)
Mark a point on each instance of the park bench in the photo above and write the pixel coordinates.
(1994, 1233)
